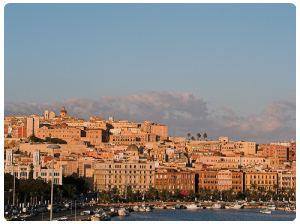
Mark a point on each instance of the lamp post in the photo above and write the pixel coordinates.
(14, 186)
(14, 182)
(52, 146)
(75, 211)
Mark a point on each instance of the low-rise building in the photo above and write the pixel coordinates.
(138, 173)
(286, 179)
(221, 180)
(266, 180)
(172, 179)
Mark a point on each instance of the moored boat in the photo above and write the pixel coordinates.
(265, 211)
(192, 207)
(135, 208)
(271, 207)
(237, 206)
(95, 217)
(216, 206)
(122, 212)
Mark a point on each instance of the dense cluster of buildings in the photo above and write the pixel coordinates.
(119, 153)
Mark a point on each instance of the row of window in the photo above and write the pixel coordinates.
(261, 182)
(126, 171)
(130, 166)
(127, 177)
(43, 174)
(161, 176)
(262, 176)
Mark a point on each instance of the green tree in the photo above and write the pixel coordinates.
(151, 194)
(189, 136)
(55, 140)
(31, 171)
(129, 193)
(33, 138)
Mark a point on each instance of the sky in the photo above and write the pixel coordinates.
(237, 59)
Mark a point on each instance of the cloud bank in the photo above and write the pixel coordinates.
(183, 112)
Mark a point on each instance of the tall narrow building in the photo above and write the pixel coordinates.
(33, 124)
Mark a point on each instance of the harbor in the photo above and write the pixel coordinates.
(204, 210)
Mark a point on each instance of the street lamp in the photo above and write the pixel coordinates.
(14, 181)
(14, 184)
(52, 146)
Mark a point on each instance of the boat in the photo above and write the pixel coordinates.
(86, 212)
(112, 209)
(171, 207)
(135, 208)
(293, 210)
(265, 211)
(144, 208)
(64, 218)
(25, 216)
(100, 210)
(85, 219)
(104, 217)
(122, 212)
(290, 209)
(177, 206)
(95, 217)
(100, 217)
(216, 206)
(24, 210)
(192, 207)
(237, 206)
(272, 207)
(148, 209)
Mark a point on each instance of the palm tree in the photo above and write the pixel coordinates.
(31, 171)
(198, 136)
(193, 138)
(205, 135)
(189, 136)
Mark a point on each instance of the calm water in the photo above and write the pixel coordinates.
(208, 215)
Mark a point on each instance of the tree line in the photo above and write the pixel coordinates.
(33, 138)
(198, 136)
(114, 195)
(35, 190)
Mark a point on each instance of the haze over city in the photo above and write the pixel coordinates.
(223, 69)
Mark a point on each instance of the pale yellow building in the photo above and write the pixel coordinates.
(139, 174)
(267, 180)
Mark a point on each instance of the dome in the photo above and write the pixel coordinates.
(132, 148)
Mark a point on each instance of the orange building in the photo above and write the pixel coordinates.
(221, 180)
(128, 138)
(159, 130)
(286, 179)
(63, 132)
(279, 152)
(292, 151)
(94, 136)
(171, 179)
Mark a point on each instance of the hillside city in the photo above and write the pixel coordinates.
(110, 161)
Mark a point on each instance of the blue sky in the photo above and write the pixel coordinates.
(242, 56)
